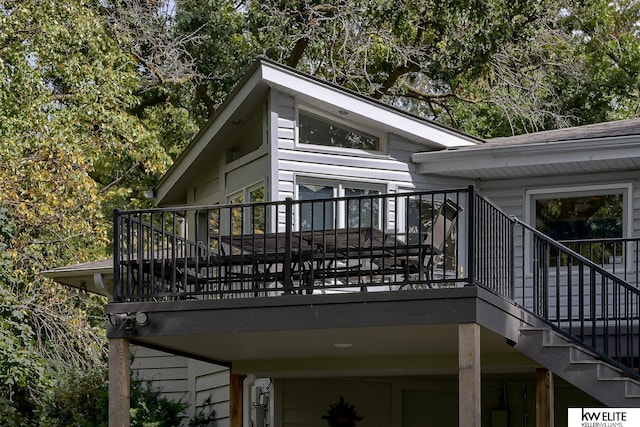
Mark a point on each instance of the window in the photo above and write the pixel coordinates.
(315, 130)
(325, 213)
(249, 219)
(581, 216)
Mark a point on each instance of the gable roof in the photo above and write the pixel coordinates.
(266, 74)
(592, 148)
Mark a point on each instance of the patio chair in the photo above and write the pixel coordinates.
(418, 254)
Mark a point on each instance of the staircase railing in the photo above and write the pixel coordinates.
(575, 296)
(620, 256)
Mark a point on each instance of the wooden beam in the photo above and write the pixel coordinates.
(119, 382)
(544, 398)
(469, 382)
(235, 399)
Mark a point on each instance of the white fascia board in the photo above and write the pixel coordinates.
(440, 162)
(193, 151)
(401, 124)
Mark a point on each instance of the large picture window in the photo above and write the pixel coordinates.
(583, 217)
(316, 130)
(593, 216)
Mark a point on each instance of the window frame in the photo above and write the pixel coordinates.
(531, 195)
(343, 122)
(246, 193)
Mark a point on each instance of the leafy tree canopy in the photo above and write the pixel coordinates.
(98, 96)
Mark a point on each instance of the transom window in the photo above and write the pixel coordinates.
(316, 130)
(361, 211)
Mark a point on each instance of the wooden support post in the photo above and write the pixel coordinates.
(544, 398)
(235, 399)
(469, 383)
(119, 381)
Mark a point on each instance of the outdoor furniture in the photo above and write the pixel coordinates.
(252, 264)
(416, 253)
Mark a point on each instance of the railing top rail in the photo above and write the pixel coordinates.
(601, 240)
(191, 208)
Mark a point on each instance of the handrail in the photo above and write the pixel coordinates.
(573, 295)
(380, 242)
(619, 255)
(367, 242)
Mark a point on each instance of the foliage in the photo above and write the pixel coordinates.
(150, 409)
(71, 148)
(341, 414)
(81, 400)
(97, 97)
(492, 68)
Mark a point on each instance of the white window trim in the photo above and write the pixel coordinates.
(382, 136)
(246, 191)
(577, 190)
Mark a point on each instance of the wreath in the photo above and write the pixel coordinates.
(341, 414)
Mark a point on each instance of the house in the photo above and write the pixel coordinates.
(317, 250)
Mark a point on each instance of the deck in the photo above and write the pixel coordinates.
(384, 243)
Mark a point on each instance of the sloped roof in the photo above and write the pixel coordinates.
(592, 148)
(95, 277)
(598, 130)
(266, 74)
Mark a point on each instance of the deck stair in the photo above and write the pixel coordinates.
(579, 366)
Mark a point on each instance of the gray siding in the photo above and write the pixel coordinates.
(393, 171)
(509, 194)
(203, 386)
(414, 402)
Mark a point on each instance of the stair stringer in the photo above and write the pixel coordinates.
(579, 367)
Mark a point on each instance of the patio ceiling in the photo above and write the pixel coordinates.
(402, 332)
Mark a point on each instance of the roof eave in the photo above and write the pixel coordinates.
(488, 157)
(268, 74)
(97, 279)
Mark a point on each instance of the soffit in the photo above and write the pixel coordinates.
(495, 160)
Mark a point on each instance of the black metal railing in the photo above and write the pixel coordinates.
(580, 299)
(573, 287)
(370, 242)
(620, 256)
(383, 242)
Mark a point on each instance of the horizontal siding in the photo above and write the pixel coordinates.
(185, 380)
(509, 195)
(393, 171)
(211, 384)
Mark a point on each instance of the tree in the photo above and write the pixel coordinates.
(491, 68)
(71, 148)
